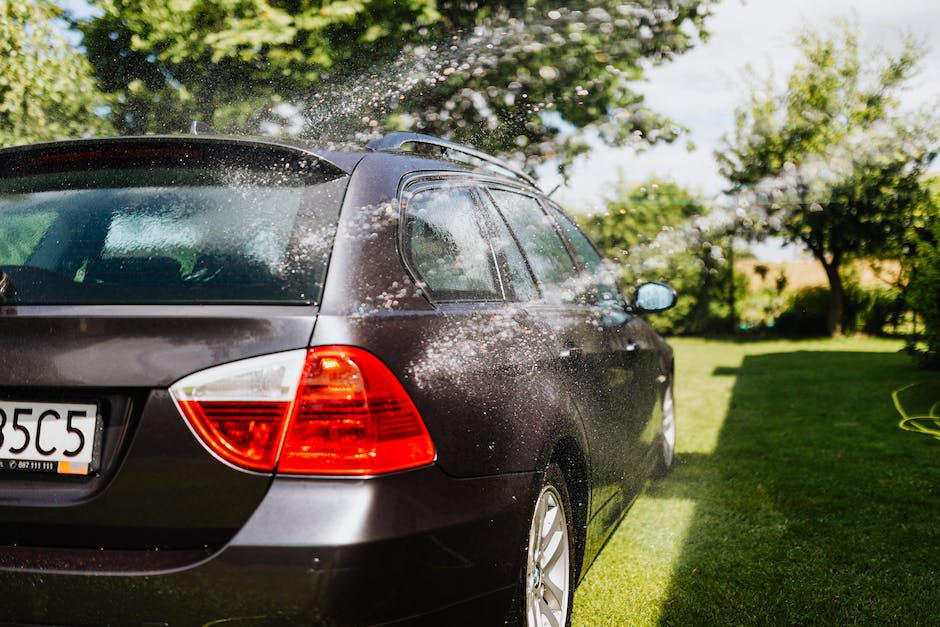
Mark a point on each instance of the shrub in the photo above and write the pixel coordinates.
(652, 231)
(805, 313)
(867, 311)
(923, 296)
(870, 310)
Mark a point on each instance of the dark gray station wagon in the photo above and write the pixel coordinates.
(244, 382)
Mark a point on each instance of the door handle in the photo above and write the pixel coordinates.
(631, 346)
(570, 352)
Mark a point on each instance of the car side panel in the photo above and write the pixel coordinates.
(482, 377)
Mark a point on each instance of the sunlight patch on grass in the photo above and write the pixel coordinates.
(630, 581)
(704, 380)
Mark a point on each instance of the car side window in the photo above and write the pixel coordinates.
(539, 239)
(516, 269)
(601, 275)
(446, 245)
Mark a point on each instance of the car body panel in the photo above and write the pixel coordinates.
(143, 346)
(505, 386)
(158, 487)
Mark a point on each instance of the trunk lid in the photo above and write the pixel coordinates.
(156, 486)
(126, 265)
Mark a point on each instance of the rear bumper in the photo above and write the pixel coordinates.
(319, 552)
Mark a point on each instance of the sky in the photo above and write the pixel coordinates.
(701, 88)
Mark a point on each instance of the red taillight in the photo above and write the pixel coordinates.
(334, 410)
(243, 433)
(352, 416)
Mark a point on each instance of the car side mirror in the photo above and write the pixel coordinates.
(654, 297)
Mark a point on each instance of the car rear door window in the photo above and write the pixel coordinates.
(447, 247)
(600, 274)
(516, 269)
(539, 239)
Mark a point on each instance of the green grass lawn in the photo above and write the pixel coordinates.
(797, 499)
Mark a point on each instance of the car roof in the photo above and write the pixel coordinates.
(430, 152)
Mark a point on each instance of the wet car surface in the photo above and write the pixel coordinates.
(250, 382)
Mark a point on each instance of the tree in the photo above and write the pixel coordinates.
(923, 293)
(830, 162)
(47, 90)
(659, 231)
(638, 214)
(504, 76)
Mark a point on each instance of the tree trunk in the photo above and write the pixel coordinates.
(836, 297)
(831, 264)
(733, 314)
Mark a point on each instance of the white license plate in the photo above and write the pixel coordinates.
(61, 438)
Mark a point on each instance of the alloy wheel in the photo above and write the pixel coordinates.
(548, 571)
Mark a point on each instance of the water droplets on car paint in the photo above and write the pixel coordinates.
(389, 299)
(370, 222)
(495, 337)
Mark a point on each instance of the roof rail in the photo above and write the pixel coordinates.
(397, 140)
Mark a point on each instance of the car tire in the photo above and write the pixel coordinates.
(548, 573)
(667, 435)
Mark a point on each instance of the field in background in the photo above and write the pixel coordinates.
(792, 297)
(796, 498)
(807, 273)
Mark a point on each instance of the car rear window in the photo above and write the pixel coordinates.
(197, 226)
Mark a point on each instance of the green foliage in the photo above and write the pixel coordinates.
(873, 310)
(649, 231)
(924, 296)
(830, 162)
(47, 90)
(486, 73)
(867, 310)
(761, 304)
(804, 314)
(637, 215)
(830, 95)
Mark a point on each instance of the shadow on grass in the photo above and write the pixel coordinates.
(814, 507)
